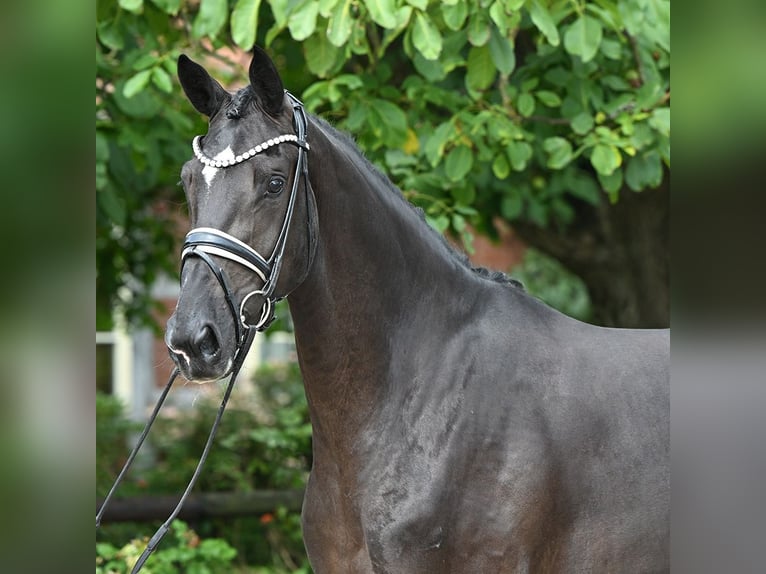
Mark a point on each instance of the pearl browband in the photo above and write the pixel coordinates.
(286, 138)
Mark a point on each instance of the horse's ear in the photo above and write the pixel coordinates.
(205, 94)
(266, 82)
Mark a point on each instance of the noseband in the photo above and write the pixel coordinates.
(203, 242)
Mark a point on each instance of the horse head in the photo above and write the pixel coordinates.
(252, 214)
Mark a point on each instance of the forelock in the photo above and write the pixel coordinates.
(240, 104)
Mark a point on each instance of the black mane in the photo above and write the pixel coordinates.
(489, 274)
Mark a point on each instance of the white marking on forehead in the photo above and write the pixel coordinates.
(210, 172)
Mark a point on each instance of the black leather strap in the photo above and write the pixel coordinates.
(197, 237)
(220, 275)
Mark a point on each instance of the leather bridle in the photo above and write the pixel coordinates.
(204, 242)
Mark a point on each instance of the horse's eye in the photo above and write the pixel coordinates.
(276, 184)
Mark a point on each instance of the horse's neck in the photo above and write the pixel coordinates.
(376, 255)
(378, 272)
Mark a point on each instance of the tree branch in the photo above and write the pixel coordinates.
(637, 58)
(547, 120)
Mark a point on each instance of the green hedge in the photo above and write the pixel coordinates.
(264, 442)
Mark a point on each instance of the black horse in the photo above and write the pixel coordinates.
(459, 424)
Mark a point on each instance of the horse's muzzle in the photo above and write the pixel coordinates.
(197, 351)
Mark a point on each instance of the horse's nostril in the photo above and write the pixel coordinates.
(206, 341)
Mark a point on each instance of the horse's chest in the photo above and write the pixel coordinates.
(435, 491)
(388, 515)
(407, 513)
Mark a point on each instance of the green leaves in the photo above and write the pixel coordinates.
(340, 23)
(388, 122)
(478, 28)
(526, 104)
(559, 152)
(244, 23)
(644, 171)
(437, 142)
(209, 555)
(161, 79)
(458, 163)
(303, 20)
(500, 166)
(440, 222)
(660, 120)
(481, 69)
(109, 34)
(455, 15)
(280, 11)
(548, 98)
(502, 51)
(519, 153)
(505, 17)
(382, 12)
(582, 186)
(210, 19)
(583, 38)
(605, 158)
(544, 22)
(111, 205)
(320, 54)
(511, 206)
(611, 183)
(151, 70)
(136, 83)
(467, 121)
(582, 123)
(426, 36)
(135, 6)
(168, 6)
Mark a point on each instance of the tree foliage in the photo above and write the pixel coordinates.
(523, 109)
